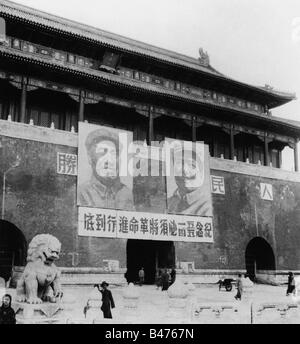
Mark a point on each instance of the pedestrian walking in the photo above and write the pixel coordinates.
(128, 277)
(165, 277)
(239, 287)
(158, 278)
(107, 300)
(173, 276)
(291, 284)
(141, 276)
(7, 314)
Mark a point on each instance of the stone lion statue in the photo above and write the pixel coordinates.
(40, 280)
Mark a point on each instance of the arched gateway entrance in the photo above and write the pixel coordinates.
(13, 248)
(259, 256)
(150, 255)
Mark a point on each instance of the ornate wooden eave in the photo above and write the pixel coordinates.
(116, 80)
(137, 87)
(38, 18)
(63, 26)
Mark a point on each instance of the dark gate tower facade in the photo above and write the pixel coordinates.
(68, 90)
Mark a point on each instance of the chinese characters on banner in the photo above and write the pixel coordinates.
(98, 223)
(127, 189)
(106, 223)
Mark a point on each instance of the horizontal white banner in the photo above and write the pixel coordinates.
(109, 223)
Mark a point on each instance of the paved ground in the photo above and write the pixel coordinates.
(153, 305)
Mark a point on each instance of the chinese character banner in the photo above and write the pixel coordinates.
(104, 223)
(100, 223)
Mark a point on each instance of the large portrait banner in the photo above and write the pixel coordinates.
(103, 178)
(128, 189)
(188, 178)
(106, 223)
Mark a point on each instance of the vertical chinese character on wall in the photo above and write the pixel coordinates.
(217, 185)
(67, 164)
(266, 192)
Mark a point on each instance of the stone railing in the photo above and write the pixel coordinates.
(225, 313)
(275, 313)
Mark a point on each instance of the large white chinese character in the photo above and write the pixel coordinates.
(266, 191)
(217, 185)
(67, 164)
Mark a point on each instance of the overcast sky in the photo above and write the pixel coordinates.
(253, 41)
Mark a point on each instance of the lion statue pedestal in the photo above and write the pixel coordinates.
(39, 291)
(45, 313)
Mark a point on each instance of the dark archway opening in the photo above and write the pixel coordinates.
(13, 248)
(259, 256)
(151, 255)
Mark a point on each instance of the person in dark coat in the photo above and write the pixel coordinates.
(173, 276)
(141, 276)
(7, 314)
(239, 287)
(107, 300)
(291, 284)
(165, 277)
(126, 275)
(158, 278)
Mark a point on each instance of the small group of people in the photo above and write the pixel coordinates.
(165, 278)
(291, 289)
(131, 277)
(7, 313)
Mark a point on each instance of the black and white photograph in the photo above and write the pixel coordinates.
(149, 165)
